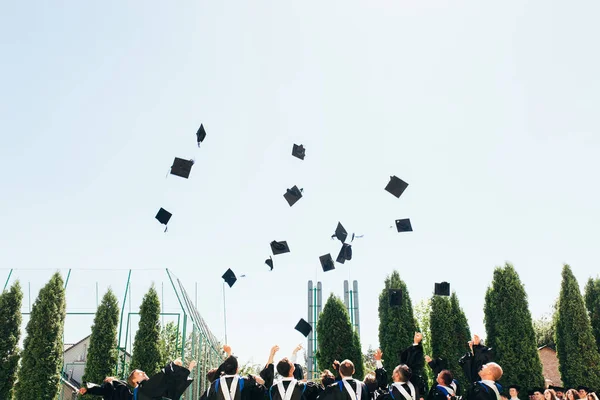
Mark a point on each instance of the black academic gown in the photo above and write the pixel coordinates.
(170, 382)
(480, 391)
(337, 391)
(302, 391)
(437, 365)
(439, 392)
(115, 390)
(471, 363)
(248, 389)
(394, 394)
(378, 388)
(414, 358)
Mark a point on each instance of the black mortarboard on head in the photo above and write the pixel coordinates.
(442, 289)
(396, 186)
(229, 277)
(269, 262)
(327, 262)
(279, 247)
(584, 388)
(395, 297)
(516, 387)
(182, 167)
(201, 134)
(303, 327)
(555, 388)
(340, 233)
(299, 151)
(403, 225)
(293, 195)
(163, 216)
(345, 253)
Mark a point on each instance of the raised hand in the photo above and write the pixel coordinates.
(378, 355)
(82, 390)
(178, 362)
(227, 349)
(297, 349)
(192, 365)
(476, 340)
(427, 359)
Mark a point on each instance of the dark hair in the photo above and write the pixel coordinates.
(130, 380)
(346, 368)
(327, 378)
(404, 371)
(446, 377)
(283, 367)
(229, 366)
(211, 375)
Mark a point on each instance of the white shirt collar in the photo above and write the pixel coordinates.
(287, 379)
(347, 378)
(488, 382)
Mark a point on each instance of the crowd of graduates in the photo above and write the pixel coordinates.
(286, 380)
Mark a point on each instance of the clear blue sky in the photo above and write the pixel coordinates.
(487, 109)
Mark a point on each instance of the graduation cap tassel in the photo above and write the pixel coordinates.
(165, 231)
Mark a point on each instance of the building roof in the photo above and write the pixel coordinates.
(67, 347)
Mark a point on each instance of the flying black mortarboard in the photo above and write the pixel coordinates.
(396, 186)
(163, 216)
(201, 134)
(279, 247)
(327, 262)
(182, 167)
(345, 254)
(303, 327)
(299, 151)
(293, 195)
(442, 289)
(269, 262)
(403, 225)
(340, 233)
(395, 297)
(229, 277)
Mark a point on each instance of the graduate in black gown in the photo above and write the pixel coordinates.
(347, 388)
(443, 389)
(171, 382)
(413, 357)
(211, 376)
(438, 365)
(377, 381)
(290, 388)
(473, 361)
(402, 388)
(110, 389)
(230, 386)
(487, 387)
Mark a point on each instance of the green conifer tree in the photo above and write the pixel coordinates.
(147, 354)
(10, 333)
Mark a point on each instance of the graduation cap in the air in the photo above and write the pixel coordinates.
(182, 167)
(303, 327)
(269, 262)
(345, 254)
(163, 216)
(279, 247)
(340, 233)
(201, 134)
(395, 297)
(293, 195)
(403, 225)
(396, 186)
(299, 151)
(229, 277)
(327, 262)
(442, 289)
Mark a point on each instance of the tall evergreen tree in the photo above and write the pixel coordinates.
(579, 361)
(592, 302)
(336, 339)
(510, 330)
(10, 333)
(442, 331)
(102, 354)
(42, 358)
(147, 354)
(462, 335)
(169, 338)
(422, 314)
(397, 324)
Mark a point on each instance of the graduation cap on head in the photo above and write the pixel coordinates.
(299, 151)
(555, 388)
(340, 233)
(269, 262)
(303, 327)
(182, 167)
(403, 225)
(163, 216)
(442, 289)
(516, 387)
(201, 134)
(584, 388)
(279, 247)
(395, 297)
(229, 277)
(396, 186)
(345, 254)
(293, 195)
(327, 262)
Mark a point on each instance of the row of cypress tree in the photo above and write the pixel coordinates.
(35, 372)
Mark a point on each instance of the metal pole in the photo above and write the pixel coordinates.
(67, 280)
(356, 307)
(224, 313)
(121, 324)
(311, 323)
(96, 294)
(7, 279)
